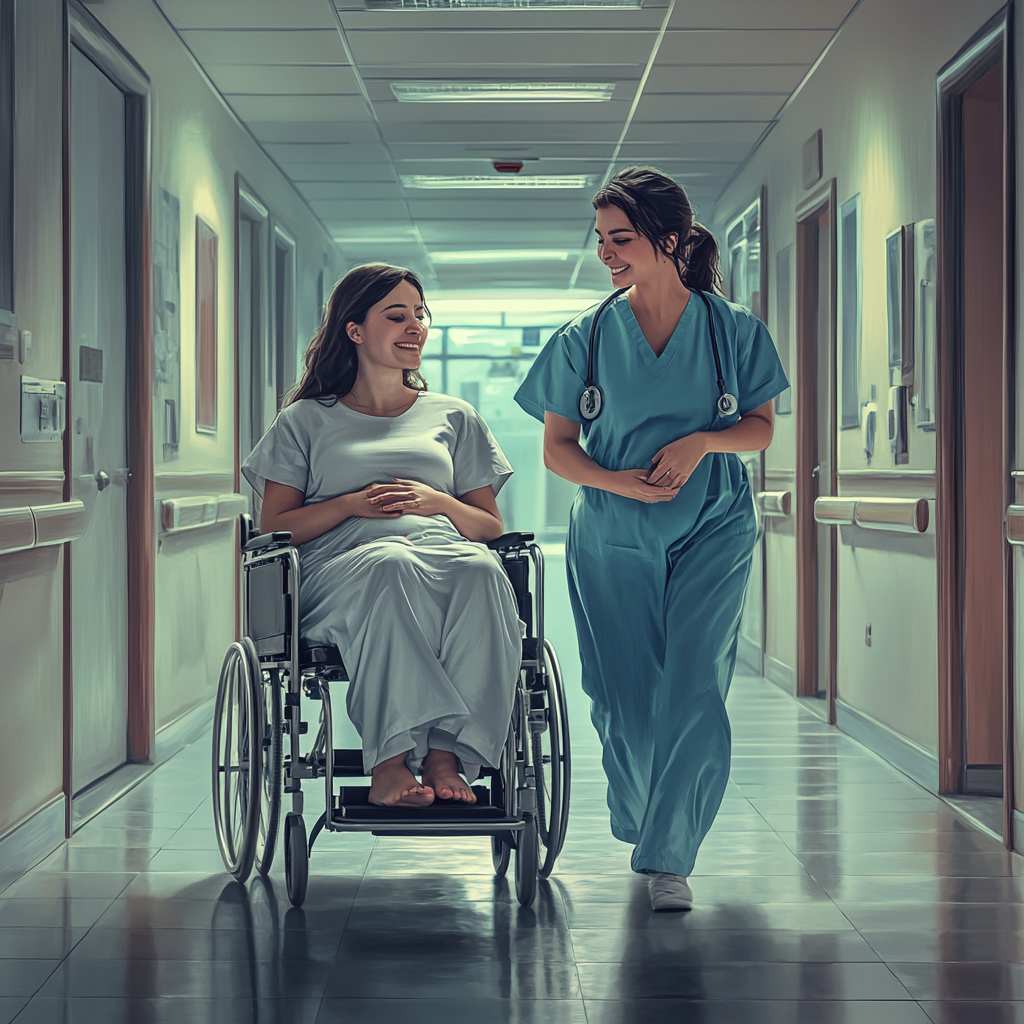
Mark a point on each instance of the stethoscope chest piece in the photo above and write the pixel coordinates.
(591, 402)
(727, 404)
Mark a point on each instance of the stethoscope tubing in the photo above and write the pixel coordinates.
(726, 404)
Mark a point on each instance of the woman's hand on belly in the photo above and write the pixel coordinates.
(403, 496)
(475, 514)
(675, 463)
(633, 483)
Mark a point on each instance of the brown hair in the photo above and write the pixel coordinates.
(332, 362)
(658, 207)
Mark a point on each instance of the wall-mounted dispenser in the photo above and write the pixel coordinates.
(924, 325)
(868, 425)
(42, 409)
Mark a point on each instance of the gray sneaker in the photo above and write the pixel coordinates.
(669, 892)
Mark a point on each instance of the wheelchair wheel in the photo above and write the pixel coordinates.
(553, 764)
(237, 732)
(273, 757)
(527, 850)
(296, 858)
(501, 854)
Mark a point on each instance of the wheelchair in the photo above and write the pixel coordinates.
(522, 805)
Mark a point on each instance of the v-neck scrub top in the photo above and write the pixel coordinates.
(425, 620)
(657, 589)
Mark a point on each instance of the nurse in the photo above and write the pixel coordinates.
(662, 530)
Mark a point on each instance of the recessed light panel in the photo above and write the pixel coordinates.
(502, 5)
(498, 181)
(500, 255)
(503, 92)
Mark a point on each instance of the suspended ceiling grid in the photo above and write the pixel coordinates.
(313, 84)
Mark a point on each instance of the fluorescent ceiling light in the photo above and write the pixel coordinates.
(503, 92)
(498, 180)
(500, 5)
(500, 255)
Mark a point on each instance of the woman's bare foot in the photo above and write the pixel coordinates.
(393, 785)
(441, 774)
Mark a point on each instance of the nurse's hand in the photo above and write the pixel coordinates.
(632, 483)
(673, 465)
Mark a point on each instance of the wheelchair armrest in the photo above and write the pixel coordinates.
(510, 542)
(268, 540)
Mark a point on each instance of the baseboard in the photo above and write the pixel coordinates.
(28, 843)
(779, 673)
(1018, 831)
(750, 654)
(905, 755)
(183, 730)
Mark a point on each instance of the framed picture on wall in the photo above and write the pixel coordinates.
(206, 328)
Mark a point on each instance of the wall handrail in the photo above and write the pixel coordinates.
(899, 515)
(775, 504)
(197, 510)
(1015, 525)
(38, 526)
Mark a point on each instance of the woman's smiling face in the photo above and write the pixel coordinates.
(629, 256)
(394, 331)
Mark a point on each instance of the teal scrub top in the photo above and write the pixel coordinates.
(650, 401)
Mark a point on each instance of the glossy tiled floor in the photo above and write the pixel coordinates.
(831, 889)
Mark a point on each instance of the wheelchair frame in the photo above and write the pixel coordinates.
(267, 672)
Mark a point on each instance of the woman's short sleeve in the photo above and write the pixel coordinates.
(553, 383)
(280, 456)
(477, 458)
(759, 373)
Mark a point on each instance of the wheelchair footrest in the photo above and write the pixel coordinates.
(352, 804)
(347, 764)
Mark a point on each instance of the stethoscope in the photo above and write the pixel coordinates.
(592, 400)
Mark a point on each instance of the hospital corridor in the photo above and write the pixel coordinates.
(511, 512)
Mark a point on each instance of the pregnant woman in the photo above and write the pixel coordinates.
(667, 382)
(389, 491)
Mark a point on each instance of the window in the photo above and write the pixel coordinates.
(743, 241)
(849, 314)
(7, 162)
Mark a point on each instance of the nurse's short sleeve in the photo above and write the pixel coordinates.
(553, 383)
(280, 456)
(759, 373)
(477, 458)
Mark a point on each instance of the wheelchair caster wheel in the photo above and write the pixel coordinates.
(527, 861)
(501, 853)
(296, 858)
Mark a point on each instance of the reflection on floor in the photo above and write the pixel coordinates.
(831, 889)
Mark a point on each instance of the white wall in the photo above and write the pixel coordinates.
(873, 96)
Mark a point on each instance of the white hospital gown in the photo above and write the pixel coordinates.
(425, 620)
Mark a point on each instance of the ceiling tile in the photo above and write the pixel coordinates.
(499, 48)
(471, 69)
(521, 208)
(313, 131)
(742, 47)
(722, 78)
(743, 14)
(351, 191)
(265, 47)
(404, 150)
(653, 152)
(325, 109)
(649, 17)
(248, 14)
(326, 153)
(667, 133)
(708, 107)
(496, 234)
(339, 171)
(283, 79)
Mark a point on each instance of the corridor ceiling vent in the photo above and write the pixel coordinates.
(502, 181)
(503, 92)
(501, 5)
(503, 256)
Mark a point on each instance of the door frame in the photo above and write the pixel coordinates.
(992, 42)
(808, 409)
(84, 32)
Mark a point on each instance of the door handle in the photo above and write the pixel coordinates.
(816, 471)
(102, 481)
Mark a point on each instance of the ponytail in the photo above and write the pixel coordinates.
(701, 268)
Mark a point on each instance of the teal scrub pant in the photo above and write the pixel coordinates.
(658, 626)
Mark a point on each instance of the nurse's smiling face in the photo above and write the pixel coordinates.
(394, 331)
(629, 256)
